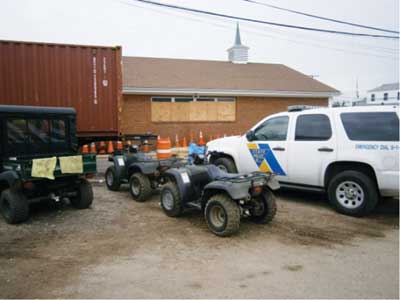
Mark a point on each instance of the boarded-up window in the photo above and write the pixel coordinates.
(188, 109)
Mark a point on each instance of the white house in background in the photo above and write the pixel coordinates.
(385, 94)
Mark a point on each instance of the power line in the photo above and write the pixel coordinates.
(305, 43)
(322, 18)
(266, 22)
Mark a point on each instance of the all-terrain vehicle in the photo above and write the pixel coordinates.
(143, 173)
(224, 198)
(39, 160)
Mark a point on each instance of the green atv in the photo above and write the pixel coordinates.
(40, 160)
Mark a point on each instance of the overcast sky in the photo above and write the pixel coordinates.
(145, 30)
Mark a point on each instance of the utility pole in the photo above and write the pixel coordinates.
(357, 92)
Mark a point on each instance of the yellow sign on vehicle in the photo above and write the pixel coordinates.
(44, 167)
(71, 164)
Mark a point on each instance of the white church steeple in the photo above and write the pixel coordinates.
(238, 53)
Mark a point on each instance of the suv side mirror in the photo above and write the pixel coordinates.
(250, 135)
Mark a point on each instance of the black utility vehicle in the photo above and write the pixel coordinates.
(143, 173)
(28, 134)
(224, 198)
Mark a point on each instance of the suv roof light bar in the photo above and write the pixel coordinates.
(294, 108)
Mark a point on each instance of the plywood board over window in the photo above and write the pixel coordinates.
(184, 109)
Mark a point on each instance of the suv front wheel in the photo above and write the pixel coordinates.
(226, 164)
(353, 193)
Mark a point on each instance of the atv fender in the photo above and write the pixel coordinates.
(236, 190)
(120, 166)
(9, 179)
(182, 180)
(273, 184)
(146, 168)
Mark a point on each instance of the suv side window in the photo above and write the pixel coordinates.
(371, 126)
(274, 129)
(313, 127)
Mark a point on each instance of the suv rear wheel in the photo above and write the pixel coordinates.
(353, 193)
(14, 206)
(226, 164)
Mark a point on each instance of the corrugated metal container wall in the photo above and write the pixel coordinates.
(85, 77)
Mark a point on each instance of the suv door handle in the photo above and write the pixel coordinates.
(325, 149)
(278, 149)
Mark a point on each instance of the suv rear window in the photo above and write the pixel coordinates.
(371, 126)
(313, 128)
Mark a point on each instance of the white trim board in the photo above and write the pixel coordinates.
(222, 92)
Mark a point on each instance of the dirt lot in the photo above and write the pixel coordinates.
(120, 249)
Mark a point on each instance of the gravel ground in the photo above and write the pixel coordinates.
(123, 249)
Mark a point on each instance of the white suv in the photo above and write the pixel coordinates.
(352, 153)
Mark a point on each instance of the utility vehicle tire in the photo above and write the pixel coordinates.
(84, 196)
(265, 210)
(171, 201)
(226, 164)
(112, 181)
(353, 193)
(140, 187)
(14, 206)
(222, 215)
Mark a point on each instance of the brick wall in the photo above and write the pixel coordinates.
(136, 116)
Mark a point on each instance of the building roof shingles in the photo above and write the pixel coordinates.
(143, 72)
(386, 87)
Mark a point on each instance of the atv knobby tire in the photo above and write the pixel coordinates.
(112, 181)
(140, 187)
(14, 206)
(266, 210)
(222, 215)
(171, 201)
(84, 195)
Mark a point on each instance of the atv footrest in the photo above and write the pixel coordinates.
(194, 205)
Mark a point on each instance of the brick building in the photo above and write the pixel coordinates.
(176, 96)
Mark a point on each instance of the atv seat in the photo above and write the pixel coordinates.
(216, 173)
(207, 173)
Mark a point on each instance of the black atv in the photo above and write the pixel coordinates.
(143, 173)
(224, 198)
(29, 135)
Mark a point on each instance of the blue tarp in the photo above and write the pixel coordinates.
(195, 149)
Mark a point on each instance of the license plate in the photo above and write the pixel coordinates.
(185, 177)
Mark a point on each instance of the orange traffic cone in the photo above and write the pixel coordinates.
(146, 146)
(102, 147)
(110, 148)
(201, 139)
(184, 142)
(85, 149)
(120, 146)
(177, 144)
(93, 148)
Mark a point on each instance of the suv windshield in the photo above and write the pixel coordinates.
(371, 126)
(35, 136)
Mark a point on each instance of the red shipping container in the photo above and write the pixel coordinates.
(87, 78)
